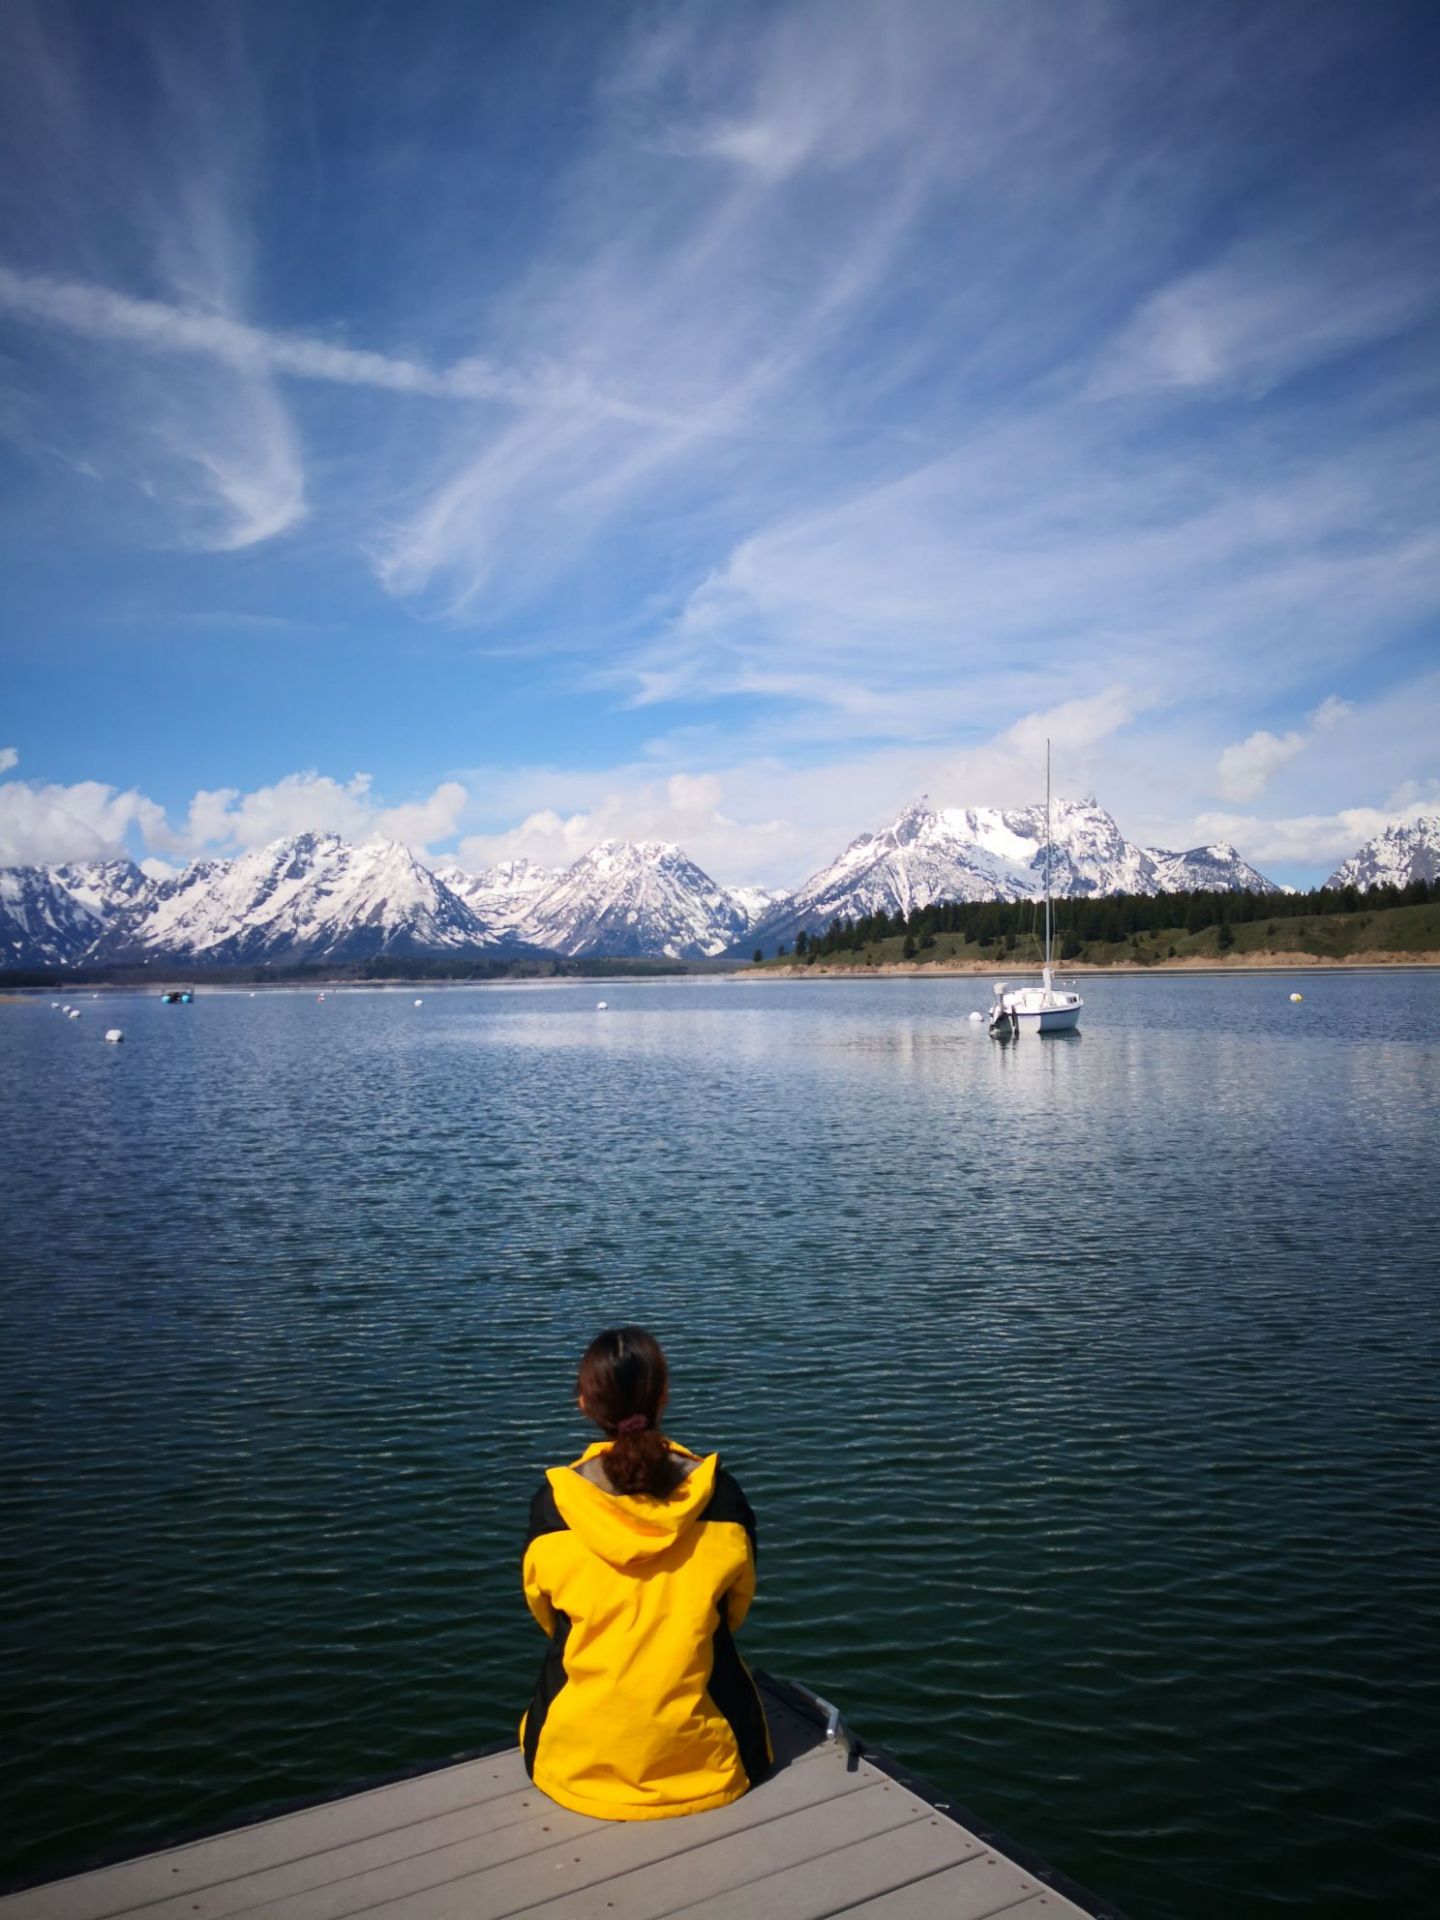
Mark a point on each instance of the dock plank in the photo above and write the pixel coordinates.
(328, 1885)
(1045, 1906)
(742, 1864)
(984, 1885)
(606, 1852)
(202, 1863)
(855, 1870)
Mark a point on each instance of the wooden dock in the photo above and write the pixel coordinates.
(835, 1831)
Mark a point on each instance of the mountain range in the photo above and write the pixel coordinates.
(315, 898)
(997, 853)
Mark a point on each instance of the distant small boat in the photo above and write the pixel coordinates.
(1046, 1008)
(114, 1036)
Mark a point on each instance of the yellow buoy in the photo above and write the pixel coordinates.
(1297, 996)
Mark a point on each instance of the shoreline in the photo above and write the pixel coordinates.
(1255, 963)
(421, 983)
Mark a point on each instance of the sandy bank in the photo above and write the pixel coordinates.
(1261, 961)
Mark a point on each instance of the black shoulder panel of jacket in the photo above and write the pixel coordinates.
(545, 1516)
(728, 1502)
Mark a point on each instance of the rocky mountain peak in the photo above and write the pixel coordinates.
(1405, 850)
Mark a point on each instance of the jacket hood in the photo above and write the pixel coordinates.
(626, 1529)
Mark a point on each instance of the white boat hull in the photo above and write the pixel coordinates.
(1044, 1009)
(1050, 1019)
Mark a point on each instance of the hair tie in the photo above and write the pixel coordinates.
(633, 1423)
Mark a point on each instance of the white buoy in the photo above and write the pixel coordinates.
(1297, 996)
(977, 1016)
(114, 1035)
(601, 1005)
(72, 1013)
(54, 1006)
(419, 1003)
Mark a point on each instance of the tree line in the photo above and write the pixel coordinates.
(1107, 918)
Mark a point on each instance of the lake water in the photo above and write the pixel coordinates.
(1086, 1389)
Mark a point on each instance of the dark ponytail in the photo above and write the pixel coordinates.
(623, 1378)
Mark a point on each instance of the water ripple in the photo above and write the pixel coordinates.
(1086, 1393)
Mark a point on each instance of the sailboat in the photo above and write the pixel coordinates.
(1046, 1008)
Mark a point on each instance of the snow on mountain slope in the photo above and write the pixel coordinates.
(632, 898)
(1215, 869)
(758, 903)
(502, 896)
(994, 853)
(104, 888)
(1402, 853)
(53, 916)
(310, 897)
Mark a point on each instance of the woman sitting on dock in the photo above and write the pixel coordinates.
(640, 1565)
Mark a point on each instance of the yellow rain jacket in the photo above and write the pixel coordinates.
(644, 1708)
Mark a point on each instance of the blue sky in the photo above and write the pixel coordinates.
(506, 426)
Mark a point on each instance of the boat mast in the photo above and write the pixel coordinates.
(1047, 863)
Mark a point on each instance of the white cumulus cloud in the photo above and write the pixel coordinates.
(421, 823)
(311, 802)
(45, 824)
(1314, 839)
(1248, 767)
(684, 808)
(42, 823)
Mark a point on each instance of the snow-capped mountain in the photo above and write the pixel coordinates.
(624, 898)
(996, 853)
(631, 898)
(1215, 869)
(311, 897)
(50, 916)
(502, 896)
(1402, 853)
(315, 898)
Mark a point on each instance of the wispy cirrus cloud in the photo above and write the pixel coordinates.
(158, 187)
(823, 390)
(1260, 316)
(1047, 555)
(160, 327)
